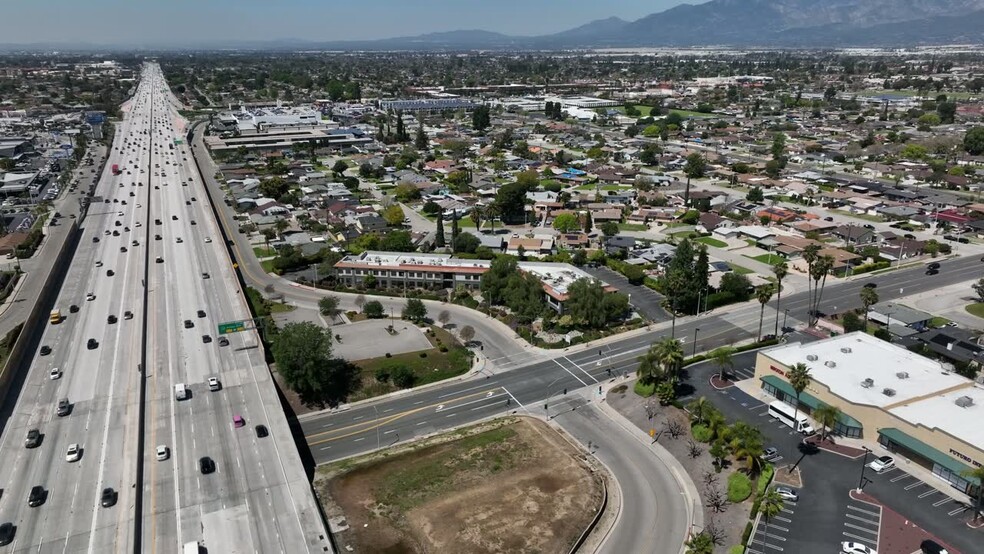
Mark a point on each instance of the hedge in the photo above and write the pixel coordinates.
(768, 472)
(739, 487)
(701, 433)
(870, 267)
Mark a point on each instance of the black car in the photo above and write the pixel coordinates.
(932, 271)
(206, 465)
(73, 308)
(33, 439)
(36, 497)
(45, 350)
(108, 497)
(871, 285)
(189, 324)
(128, 315)
(206, 339)
(201, 313)
(111, 319)
(261, 431)
(7, 531)
(934, 265)
(110, 273)
(929, 546)
(95, 239)
(122, 249)
(92, 344)
(223, 341)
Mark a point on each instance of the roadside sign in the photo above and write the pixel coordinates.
(231, 327)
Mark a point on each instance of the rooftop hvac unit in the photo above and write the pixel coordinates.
(964, 402)
(868, 383)
(830, 363)
(888, 392)
(811, 357)
(846, 350)
(902, 375)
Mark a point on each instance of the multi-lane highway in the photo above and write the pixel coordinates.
(141, 303)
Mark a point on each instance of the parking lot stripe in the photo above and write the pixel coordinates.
(771, 536)
(862, 539)
(957, 511)
(782, 519)
(767, 545)
(927, 493)
(861, 519)
(862, 529)
(774, 526)
(939, 503)
(914, 485)
(787, 511)
(853, 507)
(900, 477)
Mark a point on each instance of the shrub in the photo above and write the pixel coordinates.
(388, 355)
(701, 433)
(403, 376)
(382, 374)
(739, 486)
(619, 389)
(423, 354)
(443, 348)
(644, 390)
(768, 472)
(736, 549)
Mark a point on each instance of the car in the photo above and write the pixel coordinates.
(159, 260)
(135, 243)
(163, 452)
(116, 233)
(206, 465)
(36, 498)
(73, 308)
(7, 531)
(238, 421)
(930, 546)
(92, 344)
(33, 439)
(208, 240)
(214, 384)
(205, 275)
(55, 373)
(122, 249)
(771, 453)
(120, 214)
(138, 224)
(45, 350)
(882, 463)
(89, 297)
(856, 548)
(174, 218)
(936, 265)
(871, 285)
(828, 218)
(111, 319)
(932, 272)
(187, 202)
(110, 273)
(223, 341)
(787, 493)
(201, 313)
(95, 239)
(178, 240)
(74, 453)
(206, 339)
(261, 431)
(193, 222)
(189, 324)
(108, 497)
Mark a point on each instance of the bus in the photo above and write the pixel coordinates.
(784, 413)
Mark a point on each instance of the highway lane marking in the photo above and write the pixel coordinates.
(422, 423)
(390, 431)
(484, 386)
(387, 410)
(360, 439)
(569, 371)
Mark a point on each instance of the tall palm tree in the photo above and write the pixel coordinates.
(770, 505)
(827, 417)
(780, 270)
(869, 297)
(669, 353)
(718, 425)
(746, 444)
(649, 369)
(763, 293)
(977, 474)
(799, 378)
(724, 358)
(821, 268)
(810, 255)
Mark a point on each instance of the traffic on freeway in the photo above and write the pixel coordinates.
(140, 428)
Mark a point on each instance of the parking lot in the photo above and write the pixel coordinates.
(862, 523)
(774, 537)
(919, 494)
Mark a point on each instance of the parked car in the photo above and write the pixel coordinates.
(787, 493)
(930, 546)
(770, 454)
(856, 548)
(882, 463)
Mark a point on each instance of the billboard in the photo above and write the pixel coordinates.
(95, 118)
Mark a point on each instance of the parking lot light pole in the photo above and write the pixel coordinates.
(864, 464)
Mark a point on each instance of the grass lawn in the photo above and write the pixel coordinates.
(644, 111)
(976, 309)
(644, 391)
(688, 113)
(427, 366)
(278, 308)
(632, 227)
(464, 222)
(711, 241)
(866, 217)
(770, 259)
(938, 322)
(267, 265)
(673, 224)
(264, 252)
(739, 269)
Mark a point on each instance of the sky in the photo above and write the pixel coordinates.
(155, 22)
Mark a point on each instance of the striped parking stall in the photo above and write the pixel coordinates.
(862, 523)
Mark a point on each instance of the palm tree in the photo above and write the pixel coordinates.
(799, 378)
(699, 410)
(746, 444)
(770, 505)
(827, 417)
(649, 369)
(669, 354)
(869, 297)
(763, 293)
(780, 270)
(717, 425)
(820, 271)
(810, 255)
(695, 167)
(281, 225)
(724, 358)
(976, 474)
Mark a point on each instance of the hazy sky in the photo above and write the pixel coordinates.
(173, 21)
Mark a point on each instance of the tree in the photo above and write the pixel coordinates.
(821, 268)
(466, 334)
(666, 391)
(609, 228)
(869, 297)
(976, 474)
(585, 305)
(780, 270)
(979, 289)
(397, 241)
(851, 322)
(328, 306)
(481, 118)
(415, 310)
(973, 141)
(763, 293)
(669, 355)
(799, 378)
(755, 194)
(467, 243)
(723, 357)
(700, 410)
(650, 154)
(339, 167)
(947, 111)
(827, 417)
(454, 231)
(565, 223)
(303, 355)
(694, 169)
(746, 444)
(770, 505)
(274, 187)
(420, 140)
(406, 192)
(778, 148)
(588, 222)
(394, 215)
(511, 202)
(373, 309)
(439, 238)
(701, 543)
(476, 215)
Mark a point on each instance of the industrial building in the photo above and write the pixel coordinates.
(912, 405)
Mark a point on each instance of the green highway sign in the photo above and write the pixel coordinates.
(231, 327)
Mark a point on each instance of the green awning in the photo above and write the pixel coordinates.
(809, 400)
(926, 451)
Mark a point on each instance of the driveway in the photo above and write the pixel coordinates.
(648, 302)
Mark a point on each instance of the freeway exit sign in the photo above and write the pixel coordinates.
(231, 327)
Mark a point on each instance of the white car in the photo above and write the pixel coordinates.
(856, 548)
(207, 240)
(213, 384)
(787, 493)
(120, 214)
(90, 297)
(882, 463)
(163, 453)
(55, 373)
(74, 453)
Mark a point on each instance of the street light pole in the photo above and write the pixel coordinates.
(695, 341)
(864, 464)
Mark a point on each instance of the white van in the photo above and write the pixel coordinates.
(180, 392)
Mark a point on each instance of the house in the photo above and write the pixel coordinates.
(853, 234)
(900, 320)
(369, 223)
(709, 221)
(540, 246)
(619, 243)
(573, 240)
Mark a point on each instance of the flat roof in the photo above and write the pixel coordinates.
(942, 412)
(844, 362)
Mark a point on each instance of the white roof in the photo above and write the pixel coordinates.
(843, 363)
(942, 412)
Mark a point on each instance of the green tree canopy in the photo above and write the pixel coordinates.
(304, 361)
(565, 223)
(394, 215)
(467, 243)
(415, 310)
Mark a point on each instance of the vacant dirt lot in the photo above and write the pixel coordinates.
(513, 485)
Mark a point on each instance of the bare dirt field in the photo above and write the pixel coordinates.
(511, 485)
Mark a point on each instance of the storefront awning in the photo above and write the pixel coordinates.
(809, 400)
(927, 451)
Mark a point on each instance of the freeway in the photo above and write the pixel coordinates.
(354, 430)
